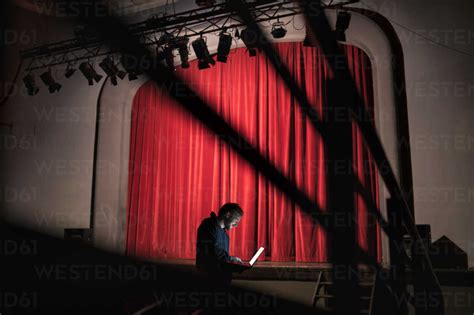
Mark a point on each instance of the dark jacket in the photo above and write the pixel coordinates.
(212, 250)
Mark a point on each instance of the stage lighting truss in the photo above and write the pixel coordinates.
(163, 34)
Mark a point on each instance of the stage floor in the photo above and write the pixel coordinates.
(306, 271)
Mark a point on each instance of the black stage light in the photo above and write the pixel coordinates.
(111, 70)
(184, 56)
(49, 81)
(89, 72)
(249, 37)
(202, 64)
(130, 64)
(278, 30)
(69, 71)
(30, 84)
(121, 74)
(169, 58)
(223, 48)
(182, 45)
(202, 53)
(342, 23)
(166, 56)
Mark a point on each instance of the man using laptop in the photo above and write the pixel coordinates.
(212, 248)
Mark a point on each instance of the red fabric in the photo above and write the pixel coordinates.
(180, 171)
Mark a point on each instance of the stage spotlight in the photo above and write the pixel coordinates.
(166, 56)
(30, 84)
(278, 30)
(182, 45)
(342, 23)
(169, 58)
(130, 64)
(249, 37)
(223, 49)
(202, 64)
(184, 56)
(202, 53)
(89, 72)
(49, 81)
(111, 70)
(69, 71)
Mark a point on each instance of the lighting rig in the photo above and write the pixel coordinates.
(170, 35)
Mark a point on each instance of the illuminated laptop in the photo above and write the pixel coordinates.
(252, 261)
(255, 257)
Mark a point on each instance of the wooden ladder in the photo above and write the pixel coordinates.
(324, 291)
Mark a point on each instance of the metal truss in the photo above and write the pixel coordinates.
(194, 23)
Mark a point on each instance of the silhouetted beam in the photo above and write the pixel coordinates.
(375, 211)
(319, 26)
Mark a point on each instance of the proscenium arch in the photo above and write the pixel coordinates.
(368, 31)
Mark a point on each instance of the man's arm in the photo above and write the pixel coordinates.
(209, 238)
(235, 259)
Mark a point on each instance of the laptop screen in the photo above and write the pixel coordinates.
(255, 257)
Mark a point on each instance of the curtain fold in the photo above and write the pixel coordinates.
(179, 171)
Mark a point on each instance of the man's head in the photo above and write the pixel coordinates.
(230, 214)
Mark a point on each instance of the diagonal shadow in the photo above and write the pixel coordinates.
(47, 275)
(115, 33)
(352, 99)
(319, 26)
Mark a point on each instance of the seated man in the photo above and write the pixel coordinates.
(212, 248)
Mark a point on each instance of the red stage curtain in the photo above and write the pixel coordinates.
(180, 171)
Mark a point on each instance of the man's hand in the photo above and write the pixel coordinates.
(235, 259)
